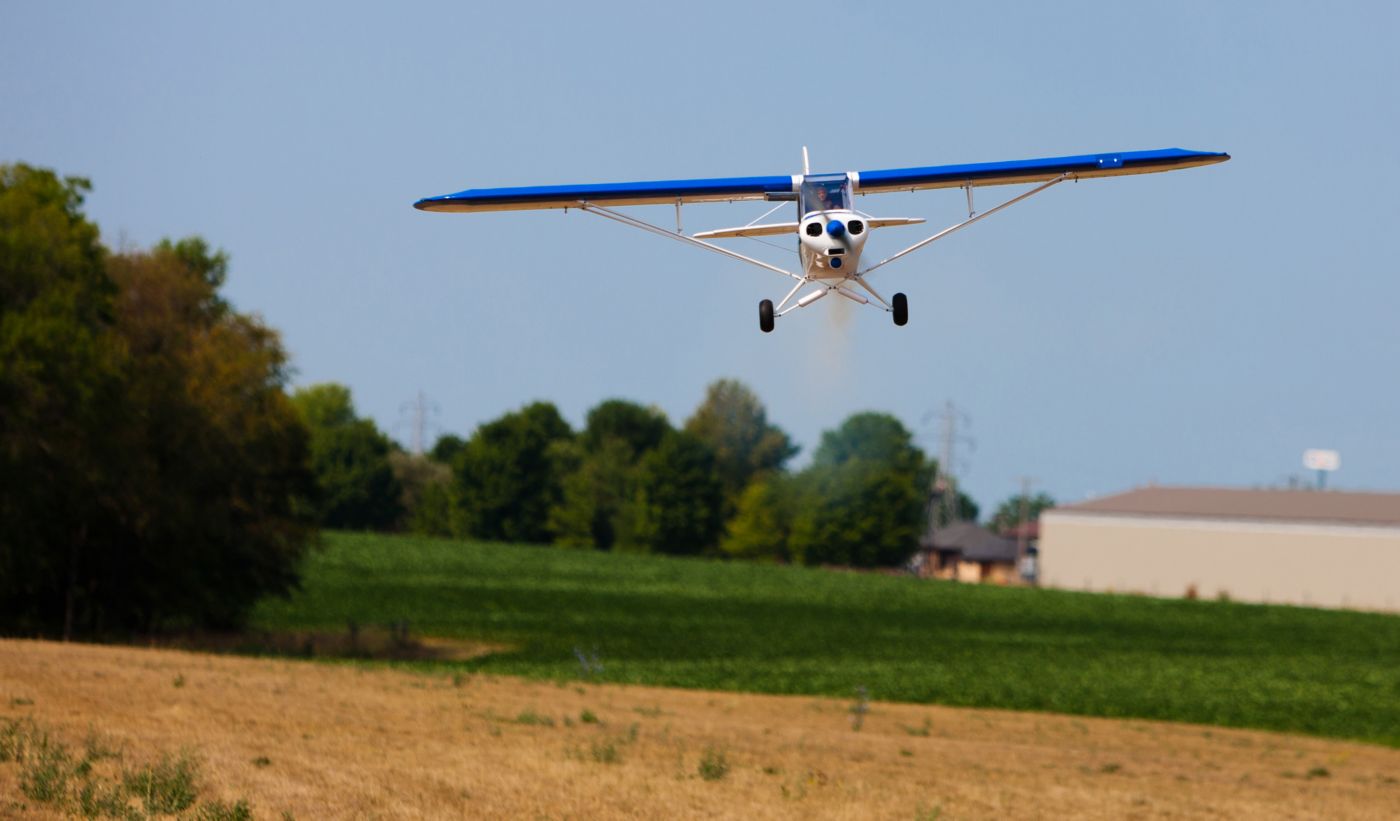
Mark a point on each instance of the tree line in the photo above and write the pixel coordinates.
(630, 480)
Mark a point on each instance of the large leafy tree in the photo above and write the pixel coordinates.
(676, 506)
(635, 427)
(862, 500)
(213, 479)
(600, 473)
(429, 490)
(760, 526)
(151, 467)
(508, 475)
(734, 423)
(61, 380)
(357, 487)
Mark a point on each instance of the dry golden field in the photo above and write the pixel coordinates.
(321, 740)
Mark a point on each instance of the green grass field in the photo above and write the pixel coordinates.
(735, 626)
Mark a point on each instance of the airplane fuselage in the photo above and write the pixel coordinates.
(830, 234)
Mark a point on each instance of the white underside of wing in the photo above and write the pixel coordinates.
(772, 229)
(885, 222)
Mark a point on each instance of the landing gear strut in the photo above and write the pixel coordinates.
(901, 309)
(765, 316)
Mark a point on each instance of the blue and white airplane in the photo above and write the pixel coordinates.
(831, 231)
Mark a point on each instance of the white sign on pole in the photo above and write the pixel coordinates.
(1321, 459)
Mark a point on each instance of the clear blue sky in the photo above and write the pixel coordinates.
(1203, 326)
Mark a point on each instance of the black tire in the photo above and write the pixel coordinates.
(765, 316)
(901, 309)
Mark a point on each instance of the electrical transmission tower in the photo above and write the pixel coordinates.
(943, 495)
(419, 409)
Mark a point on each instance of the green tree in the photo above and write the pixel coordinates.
(734, 423)
(434, 513)
(325, 406)
(61, 380)
(760, 526)
(876, 438)
(509, 476)
(416, 475)
(595, 492)
(676, 506)
(636, 427)
(862, 500)
(600, 472)
(150, 464)
(446, 448)
(1008, 513)
(214, 479)
(356, 485)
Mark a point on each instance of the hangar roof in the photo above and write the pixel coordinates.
(1340, 507)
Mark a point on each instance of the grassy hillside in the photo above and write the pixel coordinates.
(732, 626)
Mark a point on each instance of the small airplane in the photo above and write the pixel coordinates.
(831, 231)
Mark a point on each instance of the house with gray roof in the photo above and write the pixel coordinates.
(967, 552)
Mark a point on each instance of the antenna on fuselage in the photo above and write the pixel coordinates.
(806, 166)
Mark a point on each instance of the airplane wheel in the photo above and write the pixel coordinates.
(901, 309)
(765, 316)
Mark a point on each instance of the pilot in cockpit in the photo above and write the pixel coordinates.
(824, 195)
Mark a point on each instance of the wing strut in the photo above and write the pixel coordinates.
(971, 219)
(662, 232)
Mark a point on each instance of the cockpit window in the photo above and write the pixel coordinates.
(826, 192)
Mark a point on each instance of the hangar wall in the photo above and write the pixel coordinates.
(1320, 565)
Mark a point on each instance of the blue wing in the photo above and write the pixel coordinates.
(656, 192)
(730, 189)
(1024, 171)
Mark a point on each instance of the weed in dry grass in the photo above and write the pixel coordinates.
(714, 764)
(50, 774)
(530, 718)
(1318, 772)
(219, 811)
(922, 730)
(588, 717)
(604, 751)
(47, 768)
(179, 680)
(608, 749)
(21, 702)
(165, 787)
(932, 813)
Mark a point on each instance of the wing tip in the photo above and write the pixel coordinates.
(430, 203)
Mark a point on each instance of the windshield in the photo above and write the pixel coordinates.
(827, 192)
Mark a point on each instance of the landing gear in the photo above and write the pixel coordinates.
(901, 309)
(765, 316)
